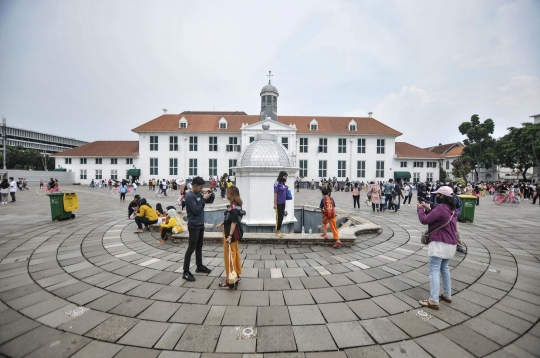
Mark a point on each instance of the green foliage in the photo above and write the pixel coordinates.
(461, 181)
(480, 145)
(520, 148)
(25, 159)
(442, 174)
(460, 169)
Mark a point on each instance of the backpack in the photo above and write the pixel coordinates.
(329, 209)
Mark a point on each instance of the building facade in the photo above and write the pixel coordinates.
(210, 143)
(45, 143)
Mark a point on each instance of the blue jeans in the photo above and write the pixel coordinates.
(438, 266)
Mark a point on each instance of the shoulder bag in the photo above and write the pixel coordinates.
(425, 236)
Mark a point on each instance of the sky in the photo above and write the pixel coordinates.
(93, 70)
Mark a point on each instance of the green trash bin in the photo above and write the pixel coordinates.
(58, 212)
(468, 204)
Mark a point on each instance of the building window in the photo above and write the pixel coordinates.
(313, 127)
(99, 161)
(352, 127)
(83, 160)
(361, 169)
(431, 164)
(380, 146)
(285, 142)
(173, 143)
(129, 160)
(153, 142)
(83, 174)
(233, 145)
(251, 139)
(232, 164)
(98, 174)
(212, 147)
(447, 164)
(183, 124)
(67, 161)
(153, 166)
(114, 174)
(303, 145)
(193, 166)
(193, 144)
(342, 145)
(303, 168)
(212, 166)
(361, 146)
(342, 169)
(323, 145)
(418, 164)
(322, 168)
(429, 177)
(379, 172)
(114, 160)
(223, 125)
(173, 166)
(416, 177)
(403, 164)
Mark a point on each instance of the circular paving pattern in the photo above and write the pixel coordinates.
(349, 302)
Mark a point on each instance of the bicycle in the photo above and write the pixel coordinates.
(116, 190)
(44, 189)
(92, 186)
(503, 198)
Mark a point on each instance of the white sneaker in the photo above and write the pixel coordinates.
(409, 204)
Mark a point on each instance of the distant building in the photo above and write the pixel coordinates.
(45, 143)
(202, 144)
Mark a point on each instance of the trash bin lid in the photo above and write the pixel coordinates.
(463, 196)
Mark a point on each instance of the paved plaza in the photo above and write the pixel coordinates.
(303, 301)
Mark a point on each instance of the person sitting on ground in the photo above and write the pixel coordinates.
(133, 206)
(145, 215)
(160, 211)
(168, 226)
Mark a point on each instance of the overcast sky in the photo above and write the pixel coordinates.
(96, 69)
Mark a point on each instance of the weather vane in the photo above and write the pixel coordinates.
(269, 79)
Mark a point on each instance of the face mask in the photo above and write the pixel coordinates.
(439, 199)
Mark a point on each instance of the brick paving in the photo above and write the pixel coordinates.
(305, 301)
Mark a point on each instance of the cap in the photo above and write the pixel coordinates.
(445, 190)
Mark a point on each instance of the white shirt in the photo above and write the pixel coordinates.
(441, 249)
(134, 186)
(13, 186)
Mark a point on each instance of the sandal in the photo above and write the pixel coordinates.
(224, 284)
(427, 303)
(337, 244)
(161, 241)
(444, 298)
(138, 231)
(324, 236)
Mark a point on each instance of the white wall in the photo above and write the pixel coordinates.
(423, 171)
(91, 167)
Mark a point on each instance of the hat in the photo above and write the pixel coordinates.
(445, 190)
(171, 213)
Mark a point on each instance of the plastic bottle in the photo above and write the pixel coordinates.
(310, 232)
(303, 230)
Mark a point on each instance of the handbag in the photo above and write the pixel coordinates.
(232, 279)
(425, 236)
(132, 216)
(177, 229)
(288, 195)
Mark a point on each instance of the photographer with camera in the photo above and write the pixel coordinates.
(195, 202)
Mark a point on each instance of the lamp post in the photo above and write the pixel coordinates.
(4, 123)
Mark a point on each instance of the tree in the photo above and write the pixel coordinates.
(442, 174)
(21, 158)
(480, 145)
(520, 148)
(461, 169)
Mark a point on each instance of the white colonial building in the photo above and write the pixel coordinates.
(210, 143)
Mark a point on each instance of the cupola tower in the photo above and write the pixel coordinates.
(269, 95)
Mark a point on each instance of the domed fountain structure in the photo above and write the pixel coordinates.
(256, 172)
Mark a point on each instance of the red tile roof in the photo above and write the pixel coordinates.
(443, 148)
(406, 150)
(209, 123)
(455, 152)
(103, 148)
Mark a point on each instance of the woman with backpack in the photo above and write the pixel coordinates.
(356, 195)
(232, 233)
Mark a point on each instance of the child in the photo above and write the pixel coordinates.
(328, 208)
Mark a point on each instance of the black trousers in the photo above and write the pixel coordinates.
(12, 193)
(356, 200)
(122, 196)
(165, 231)
(142, 220)
(405, 200)
(388, 198)
(223, 192)
(280, 212)
(196, 238)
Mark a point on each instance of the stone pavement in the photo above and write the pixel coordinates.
(304, 301)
